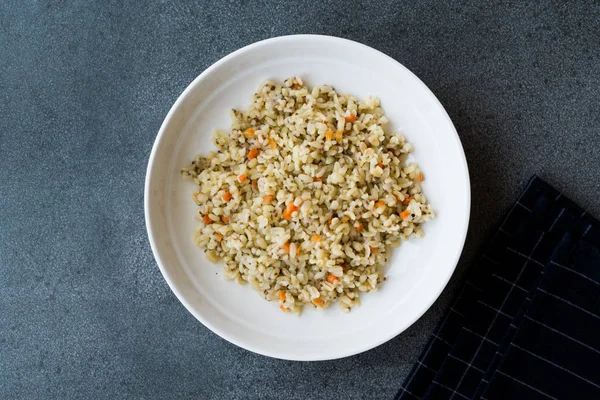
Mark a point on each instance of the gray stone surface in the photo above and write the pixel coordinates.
(84, 86)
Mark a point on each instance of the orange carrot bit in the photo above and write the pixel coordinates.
(268, 198)
(252, 154)
(381, 165)
(339, 136)
(332, 278)
(359, 227)
(284, 309)
(225, 219)
(218, 236)
(318, 301)
(255, 184)
(420, 177)
(380, 203)
(316, 238)
(227, 196)
(281, 295)
(330, 219)
(318, 179)
(287, 213)
(207, 219)
(345, 218)
(404, 214)
(372, 249)
(272, 143)
(328, 135)
(351, 118)
(242, 178)
(286, 247)
(407, 200)
(249, 133)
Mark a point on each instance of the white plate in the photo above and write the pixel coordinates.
(417, 271)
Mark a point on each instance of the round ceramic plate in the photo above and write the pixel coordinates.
(417, 271)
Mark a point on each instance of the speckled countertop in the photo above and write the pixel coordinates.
(84, 86)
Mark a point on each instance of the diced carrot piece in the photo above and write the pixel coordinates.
(380, 203)
(372, 249)
(249, 133)
(227, 196)
(332, 278)
(281, 295)
(381, 165)
(316, 238)
(207, 219)
(287, 213)
(359, 227)
(351, 118)
(407, 200)
(328, 135)
(317, 179)
(225, 219)
(242, 178)
(318, 301)
(404, 214)
(252, 154)
(218, 236)
(255, 183)
(286, 247)
(272, 143)
(345, 218)
(420, 177)
(284, 309)
(339, 136)
(268, 198)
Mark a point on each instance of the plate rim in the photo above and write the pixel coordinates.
(153, 241)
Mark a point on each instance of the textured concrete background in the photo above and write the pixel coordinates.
(84, 86)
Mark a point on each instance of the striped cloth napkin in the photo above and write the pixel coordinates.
(526, 324)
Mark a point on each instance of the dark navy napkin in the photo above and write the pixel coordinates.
(499, 339)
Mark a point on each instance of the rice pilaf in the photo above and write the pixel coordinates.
(306, 194)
